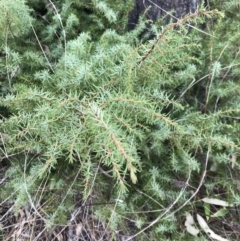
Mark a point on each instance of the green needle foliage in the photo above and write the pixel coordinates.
(88, 109)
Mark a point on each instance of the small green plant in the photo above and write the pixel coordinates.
(137, 134)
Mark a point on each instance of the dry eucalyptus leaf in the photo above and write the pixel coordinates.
(220, 213)
(189, 220)
(237, 182)
(234, 159)
(203, 224)
(79, 228)
(213, 167)
(215, 201)
(188, 223)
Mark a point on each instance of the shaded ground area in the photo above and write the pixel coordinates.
(31, 223)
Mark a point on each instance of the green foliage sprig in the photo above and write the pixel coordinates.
(95, 111)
